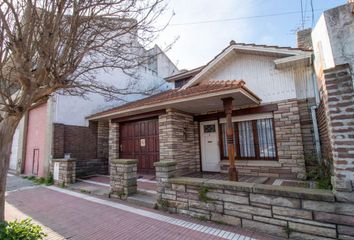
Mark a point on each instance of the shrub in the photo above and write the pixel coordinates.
(321, 174)
(21, 230)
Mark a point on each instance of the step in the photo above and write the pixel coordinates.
(147, 192)
(143, 200)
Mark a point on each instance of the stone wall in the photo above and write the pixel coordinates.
(113, 141)
(293, 130)
(307, 132)
(179, 141)
(298, 213)
(102, 139)
(338, 100)
(289, 139)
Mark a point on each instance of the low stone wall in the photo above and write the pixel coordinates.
(283, 211)
(290, 212)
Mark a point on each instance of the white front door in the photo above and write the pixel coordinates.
(209, 138)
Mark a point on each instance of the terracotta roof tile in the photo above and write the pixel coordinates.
(175, 94)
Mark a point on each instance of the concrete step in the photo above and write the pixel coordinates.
(147, 192)
(143, 200)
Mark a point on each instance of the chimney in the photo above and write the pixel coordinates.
(304, 39)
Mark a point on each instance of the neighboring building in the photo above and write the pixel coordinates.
(58, 127)
(333, 43)
(273, 90)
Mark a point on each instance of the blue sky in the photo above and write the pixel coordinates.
(198, 42)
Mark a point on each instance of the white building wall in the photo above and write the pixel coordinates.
(261, 77)
(72, 110)
(333, 38)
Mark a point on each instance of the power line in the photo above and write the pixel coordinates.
(241, 18)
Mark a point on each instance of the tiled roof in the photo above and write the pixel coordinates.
(175, 94)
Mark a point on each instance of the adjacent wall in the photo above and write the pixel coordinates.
(81, 143)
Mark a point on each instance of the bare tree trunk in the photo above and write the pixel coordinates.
(7, 130)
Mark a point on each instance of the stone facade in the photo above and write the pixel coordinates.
(113, 141)
(289, 139)
(179, 141)
(307, 132)
(338, 101)
(287, 212)
(102, 139)
(66, 171)
(292, 127)
(123, 177)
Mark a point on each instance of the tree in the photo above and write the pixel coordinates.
(48, 46)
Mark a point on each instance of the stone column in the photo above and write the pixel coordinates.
(123, 177)
(164, 171)
(113, 142)
(64, 171)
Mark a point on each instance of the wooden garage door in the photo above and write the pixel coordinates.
(140, 140)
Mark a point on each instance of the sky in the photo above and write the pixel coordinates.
(200, 29)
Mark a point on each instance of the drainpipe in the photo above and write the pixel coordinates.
(314, 117)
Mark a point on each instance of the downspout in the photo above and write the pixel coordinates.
(314, 117)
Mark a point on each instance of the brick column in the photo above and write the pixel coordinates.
(64, 171)
(338, 99)
(123, 177)
(164, 171)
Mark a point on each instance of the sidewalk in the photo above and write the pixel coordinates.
(71, 215)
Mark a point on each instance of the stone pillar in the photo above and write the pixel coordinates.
(113, 141)
(64, 171)
(164, 171)
(102, 139)
(123, 177)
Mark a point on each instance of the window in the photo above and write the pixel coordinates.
(210, 128)
(254, 140)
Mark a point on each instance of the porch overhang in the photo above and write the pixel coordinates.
(195, 105)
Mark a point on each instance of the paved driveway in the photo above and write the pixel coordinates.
(71, 215)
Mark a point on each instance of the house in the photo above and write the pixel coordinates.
(267, 92)
(57, 128)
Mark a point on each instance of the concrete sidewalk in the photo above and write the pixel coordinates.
(72, 215)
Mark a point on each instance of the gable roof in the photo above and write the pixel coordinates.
(174, 95)
(286, 54)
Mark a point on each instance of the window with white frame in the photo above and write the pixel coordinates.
(254, 138)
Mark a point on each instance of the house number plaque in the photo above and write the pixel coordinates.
(142, 142)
